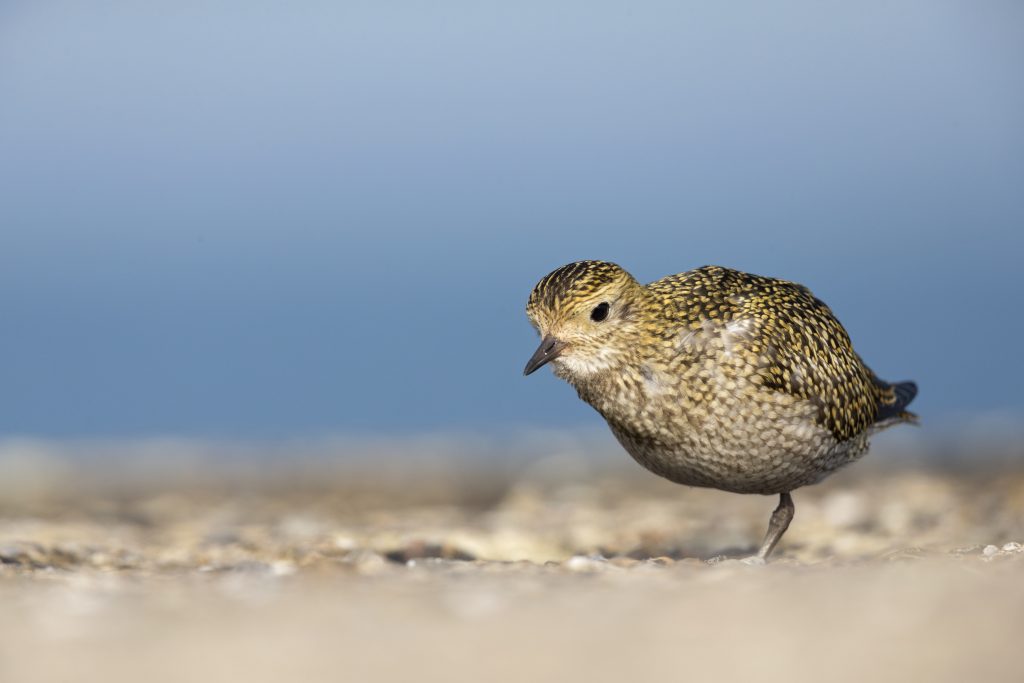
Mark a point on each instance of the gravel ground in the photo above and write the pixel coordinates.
(550, 571)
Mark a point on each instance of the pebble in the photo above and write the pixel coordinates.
(993, 550)
(583, 563)
(24, 554)
(346, 543)
(282, 568)
(366, 562)
(421, 550)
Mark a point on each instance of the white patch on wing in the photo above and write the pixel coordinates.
(740, 327)
(653, 382)
(739, 330)
(687, 338)
(713, 335)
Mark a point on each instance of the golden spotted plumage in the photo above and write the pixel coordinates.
(714, 377)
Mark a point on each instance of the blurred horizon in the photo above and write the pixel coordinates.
(266, 222)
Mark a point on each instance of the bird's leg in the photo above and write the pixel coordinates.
(781, 518)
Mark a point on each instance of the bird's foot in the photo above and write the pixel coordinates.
(754, 561)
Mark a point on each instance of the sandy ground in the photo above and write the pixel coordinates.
(556, 570)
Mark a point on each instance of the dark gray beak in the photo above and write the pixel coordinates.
(548, 350)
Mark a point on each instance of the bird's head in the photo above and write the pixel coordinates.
(586, 313)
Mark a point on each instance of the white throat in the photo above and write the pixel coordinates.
(571, 365)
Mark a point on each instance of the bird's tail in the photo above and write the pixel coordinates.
(893, 399)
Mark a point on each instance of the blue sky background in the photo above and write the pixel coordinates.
(265, 220)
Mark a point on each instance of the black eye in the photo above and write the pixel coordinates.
(600, 312)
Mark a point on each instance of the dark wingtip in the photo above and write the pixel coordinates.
(904, 393)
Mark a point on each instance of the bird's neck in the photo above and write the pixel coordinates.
(605, 382)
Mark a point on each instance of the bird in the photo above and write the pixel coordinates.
(715, 377)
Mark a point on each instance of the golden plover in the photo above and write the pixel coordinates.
(715, 377)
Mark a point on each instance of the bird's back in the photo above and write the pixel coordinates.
(787, 340)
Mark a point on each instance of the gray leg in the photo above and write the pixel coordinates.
(781, 518)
